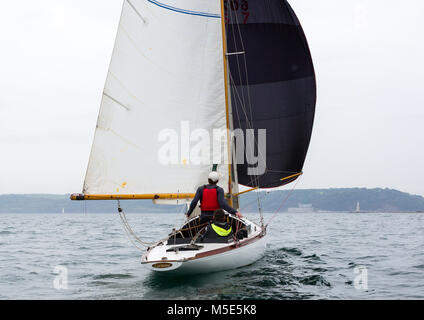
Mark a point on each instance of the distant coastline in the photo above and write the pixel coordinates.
(305, 200)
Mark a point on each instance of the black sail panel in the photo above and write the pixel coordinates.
(273, 86)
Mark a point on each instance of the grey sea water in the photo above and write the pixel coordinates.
(309, 256)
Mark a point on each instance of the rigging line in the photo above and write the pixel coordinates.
(237, 95)
(254, 180)
(144, 243)
(130, 233)
(285, 200)
(190, 228)
(194, 239)
(236, 240)
(129, 237)
(245, 68)
(237, 23)
(249, 100)
(242, 99)
(236, 47)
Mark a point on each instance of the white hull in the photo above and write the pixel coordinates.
(212, 257)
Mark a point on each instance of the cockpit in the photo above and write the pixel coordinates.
(192, 231)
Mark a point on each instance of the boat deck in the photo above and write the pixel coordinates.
(172, 253)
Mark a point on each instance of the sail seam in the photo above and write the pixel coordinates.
(194, 13)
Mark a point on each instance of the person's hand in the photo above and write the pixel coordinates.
(239, 215)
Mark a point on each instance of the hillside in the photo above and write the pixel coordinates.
(340, 200)
(371, 200)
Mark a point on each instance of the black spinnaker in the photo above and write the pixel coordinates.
(273, 85)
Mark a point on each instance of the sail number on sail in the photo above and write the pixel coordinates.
(238, 6)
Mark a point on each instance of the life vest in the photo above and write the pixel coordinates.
(221, 231)
(209, 200)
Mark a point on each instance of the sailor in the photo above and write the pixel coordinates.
(211, 198)
(219, 227)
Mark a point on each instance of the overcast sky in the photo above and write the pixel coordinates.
(368, 56)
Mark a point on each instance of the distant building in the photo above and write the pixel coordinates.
(302, 208)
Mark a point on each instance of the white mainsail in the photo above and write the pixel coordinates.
(167, 72)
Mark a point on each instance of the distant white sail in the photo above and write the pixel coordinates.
(167, 69)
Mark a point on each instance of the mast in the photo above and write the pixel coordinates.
(232, 171)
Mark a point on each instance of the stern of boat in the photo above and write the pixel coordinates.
(179, 254)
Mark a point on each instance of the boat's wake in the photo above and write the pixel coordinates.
(283, 273)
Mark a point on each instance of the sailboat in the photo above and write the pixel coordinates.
(181, 72)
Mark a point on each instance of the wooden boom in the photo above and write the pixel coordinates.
(153, 196)
(157, 196)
